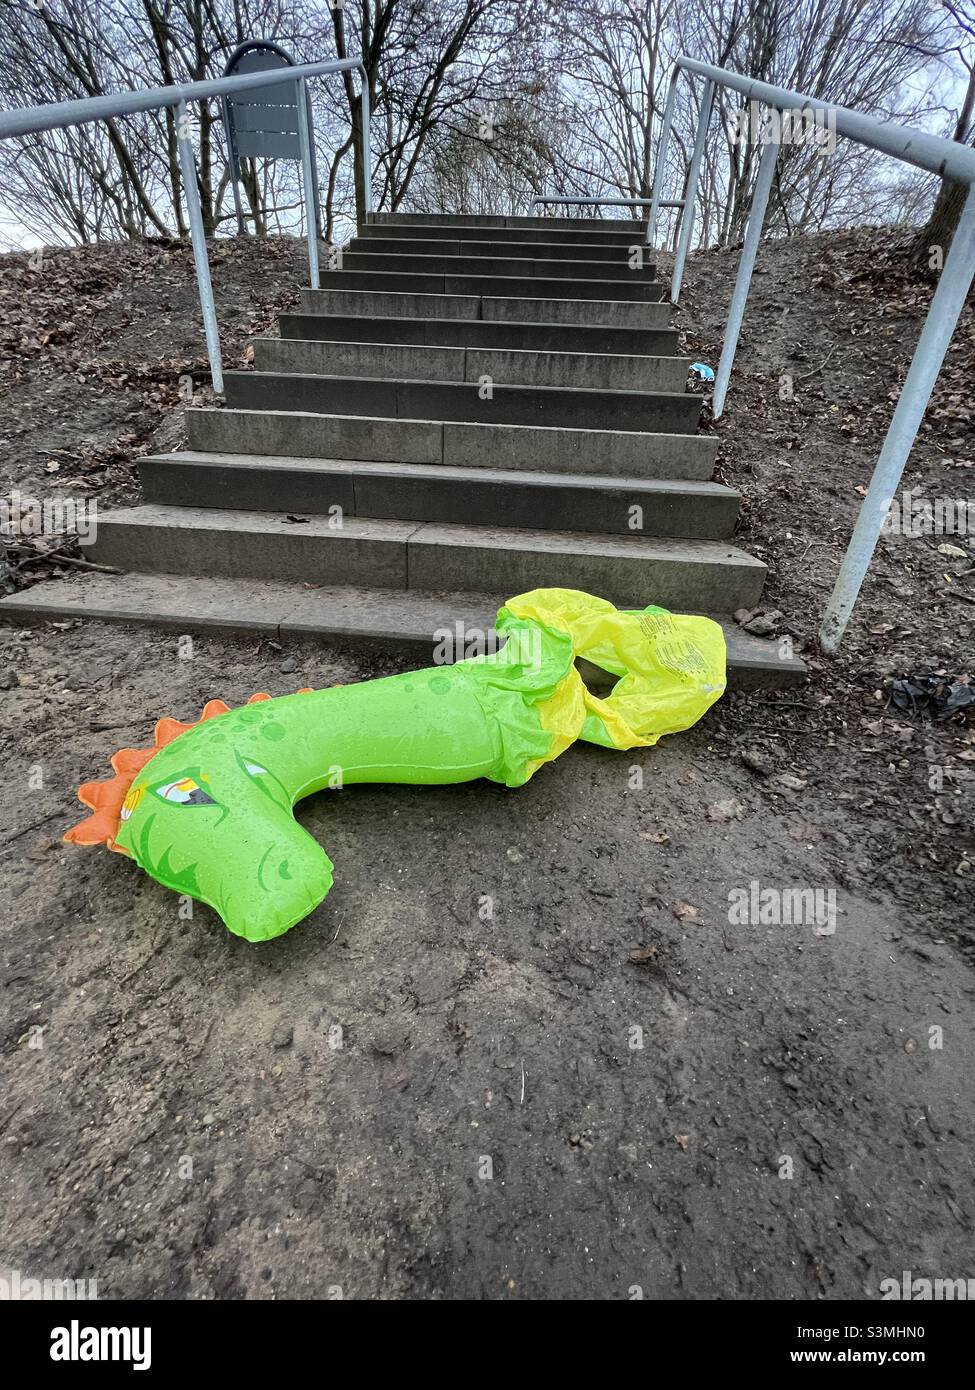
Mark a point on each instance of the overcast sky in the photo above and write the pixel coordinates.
(946, 79)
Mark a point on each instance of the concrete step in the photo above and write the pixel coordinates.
(609, 453)
(616, 313)
(670, 412)
(598, 225)
(540, 337)
(607, 253)
(520, 287)
(491, 264)
(410, 362)
(436, 492)
(694, 575)
(538, 235)
(412, 621)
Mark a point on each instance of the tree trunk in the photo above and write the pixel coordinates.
(943, 222)
(946, 213)
(358, 161)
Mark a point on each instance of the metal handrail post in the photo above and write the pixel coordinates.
(194, 212)
(743, 280)
(308, 183)
(234, 165)
(658, 176)
(947, 159)
(32, 120)
(366, 139)
(946, 306)
(690, 195)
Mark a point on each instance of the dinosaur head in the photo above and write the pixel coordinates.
(205, 813)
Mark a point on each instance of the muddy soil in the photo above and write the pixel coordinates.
(602, 1085)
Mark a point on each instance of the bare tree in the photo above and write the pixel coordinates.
(126, 177)
(476, 104)
(943, 221)
(870, 55)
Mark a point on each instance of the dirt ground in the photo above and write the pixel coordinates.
(609, 1087)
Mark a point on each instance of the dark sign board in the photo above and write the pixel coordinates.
(262, 122)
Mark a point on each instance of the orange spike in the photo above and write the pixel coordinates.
(167, 729)
(261, 695)
(105, 799)
(212, 708)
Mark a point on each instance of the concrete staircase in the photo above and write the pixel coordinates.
(473, 406)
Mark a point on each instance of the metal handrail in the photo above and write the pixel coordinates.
(603, 202)
(31, 120)
(946, 158)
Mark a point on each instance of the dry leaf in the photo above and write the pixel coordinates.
(643, 955)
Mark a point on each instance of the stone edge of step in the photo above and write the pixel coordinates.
(526, 478)
(752, 662)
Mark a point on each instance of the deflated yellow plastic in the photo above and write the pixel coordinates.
(671, 668)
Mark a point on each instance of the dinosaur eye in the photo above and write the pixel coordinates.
(255, 769)
(184, 792)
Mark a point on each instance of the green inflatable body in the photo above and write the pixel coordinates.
(208, 810)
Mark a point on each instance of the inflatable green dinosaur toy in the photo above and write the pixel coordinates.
(208, 810)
